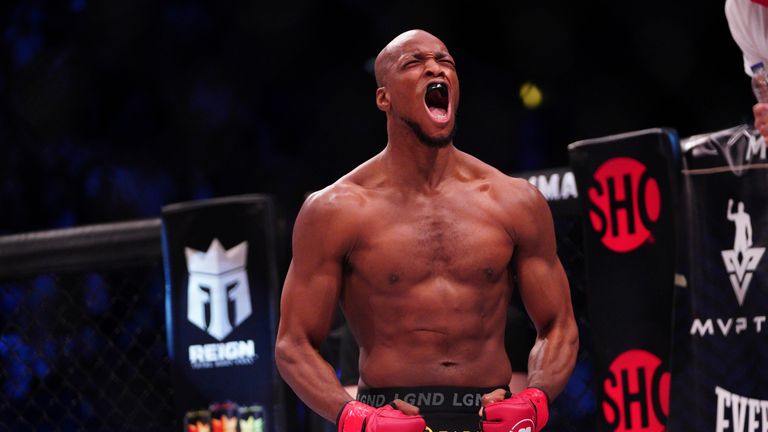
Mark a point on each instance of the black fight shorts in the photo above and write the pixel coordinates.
(445, 409)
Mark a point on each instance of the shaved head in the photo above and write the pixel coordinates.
(393, 50)
(418, 88)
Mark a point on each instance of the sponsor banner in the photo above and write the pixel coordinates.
(627, 191)
(558, 185)
(221, 297)
(720, 329)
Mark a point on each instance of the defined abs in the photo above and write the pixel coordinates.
(435, 364)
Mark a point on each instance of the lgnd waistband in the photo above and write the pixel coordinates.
(429, 399)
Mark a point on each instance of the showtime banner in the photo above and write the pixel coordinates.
(719, 379)
(221, 297)
(627, 188)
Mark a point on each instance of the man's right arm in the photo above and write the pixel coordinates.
(321, 239)
(323, 236)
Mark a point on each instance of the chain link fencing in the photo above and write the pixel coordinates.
(82, 331)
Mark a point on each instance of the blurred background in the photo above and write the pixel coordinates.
(111, 109)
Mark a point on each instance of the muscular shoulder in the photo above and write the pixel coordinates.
(329, 217)
(525, 209)
(333, 205)
(341, 204)
(519, 193)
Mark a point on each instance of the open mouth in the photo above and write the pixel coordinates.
(436, 98)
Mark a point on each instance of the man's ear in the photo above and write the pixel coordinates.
(382, 99)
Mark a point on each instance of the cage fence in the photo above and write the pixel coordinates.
(82, 331)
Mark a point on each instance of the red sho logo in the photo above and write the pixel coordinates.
(624, 203)
(636, 393)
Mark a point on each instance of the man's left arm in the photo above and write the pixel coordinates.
(544, 289)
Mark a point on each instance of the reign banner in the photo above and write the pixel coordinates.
(221, 297)
(720, 382)
(627, 188)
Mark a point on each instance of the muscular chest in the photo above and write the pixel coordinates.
(457, 240)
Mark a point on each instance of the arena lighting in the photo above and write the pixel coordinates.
(531, 95)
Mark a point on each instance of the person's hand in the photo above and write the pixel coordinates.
(399, 416)
(405, 407)
(497, 395)
(760, 110)
(506, 412)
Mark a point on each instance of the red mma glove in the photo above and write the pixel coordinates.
(527, 411)
(358, 417)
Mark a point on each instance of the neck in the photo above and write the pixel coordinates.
(416, 165)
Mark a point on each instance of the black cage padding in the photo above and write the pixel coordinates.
(89, 247)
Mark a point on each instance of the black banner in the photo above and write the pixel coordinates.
(627, 190)
(221, 297)
(720, 382)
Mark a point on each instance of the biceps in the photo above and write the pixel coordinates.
(544, 289)
(309, 299)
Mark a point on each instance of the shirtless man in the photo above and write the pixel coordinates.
(422, 245)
